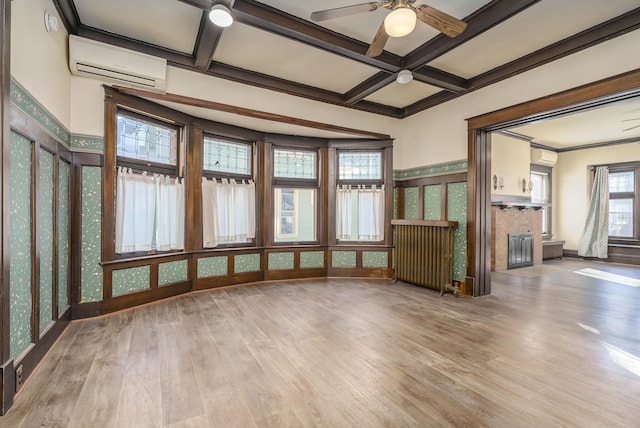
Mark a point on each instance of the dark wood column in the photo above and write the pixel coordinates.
(479, 214)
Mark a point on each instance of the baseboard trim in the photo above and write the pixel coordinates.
(615, 256)
(29, 361)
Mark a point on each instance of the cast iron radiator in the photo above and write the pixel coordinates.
(424, 253)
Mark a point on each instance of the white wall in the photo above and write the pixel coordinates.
(439, 134)
(38, 58)
(511, 160)
(571, 194)
(87, 106)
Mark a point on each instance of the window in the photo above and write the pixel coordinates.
(541, 193)
(360, 196)
(295, 195)
(621, 203)
(220, 156)
(229, 195)
(149, 204)
(359, 166)
(146, 141)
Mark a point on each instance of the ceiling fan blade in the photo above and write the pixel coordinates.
(338, 12)
(629, 129)
(379, 40)
(439, 20)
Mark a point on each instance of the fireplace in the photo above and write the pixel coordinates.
(520, 250)
(506, 220)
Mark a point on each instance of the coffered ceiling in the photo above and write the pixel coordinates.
(273, 44)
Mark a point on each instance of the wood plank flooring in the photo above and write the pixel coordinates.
(548, 348)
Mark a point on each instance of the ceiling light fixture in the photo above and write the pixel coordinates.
(220, 15)
(404, 76)
(400, 22)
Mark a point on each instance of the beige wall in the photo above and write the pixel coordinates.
(571, 194)
(39, 59)
(511, 160)
(439, 134)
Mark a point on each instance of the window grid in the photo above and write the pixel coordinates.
(621, 204)
(360, 165)
(146, 140)
(294, 164)
(228, 157)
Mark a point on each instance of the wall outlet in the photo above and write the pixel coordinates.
(19, 378)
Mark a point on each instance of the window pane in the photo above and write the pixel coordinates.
(146, 140)
(294, 164)
(360, 165)
(224, 156)
(295, 215)
(621, 218)
(621, 181)
(540, 190)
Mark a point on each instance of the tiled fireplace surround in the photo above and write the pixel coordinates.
(513, 218)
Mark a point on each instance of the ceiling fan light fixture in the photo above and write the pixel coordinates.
(404, 76)
(220, 15)
(400, 22)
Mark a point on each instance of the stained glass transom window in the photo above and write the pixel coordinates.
(294, 164)
(146, 140)
(360, 165)
(225, 156)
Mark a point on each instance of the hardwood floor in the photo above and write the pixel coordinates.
(549, 347)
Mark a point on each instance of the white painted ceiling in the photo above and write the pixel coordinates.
(604, 124)
(174, 25)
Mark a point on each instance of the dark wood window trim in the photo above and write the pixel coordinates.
(623, 167)
(262, 173)
(549, 212)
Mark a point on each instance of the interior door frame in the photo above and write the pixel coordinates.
(592, 95)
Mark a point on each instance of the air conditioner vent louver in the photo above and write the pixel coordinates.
(98, 60)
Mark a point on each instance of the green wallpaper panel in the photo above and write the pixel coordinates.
(171, 272)
(22, 100)
(395, 202)
(432, 202)
(279, 261)
(20, 243)
(457, 211)
(87, 143)
(45, 227)
(425, 171)
(411, 200)
(311, 259)
(246, 263)
(212, 266)
(91, 270)
(375, 259)
(130, 280)
(63, 236)
(343, 259)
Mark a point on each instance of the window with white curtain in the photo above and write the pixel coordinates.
(360, 196)
(149, 212)
(228, 211)
(150, 196)
(228, 192)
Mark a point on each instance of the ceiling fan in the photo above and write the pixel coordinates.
(400, 22)
(633, 127)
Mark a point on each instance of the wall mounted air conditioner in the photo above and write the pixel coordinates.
(543, 157)
(125, 67)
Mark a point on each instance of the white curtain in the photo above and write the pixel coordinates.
(149, 212)
(370, 213)
(228, 211)
(595, 236)
(170, 211)
(343, 212)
